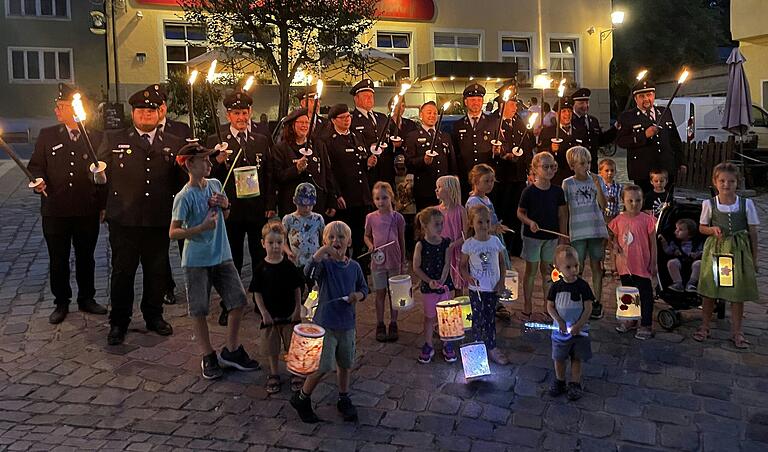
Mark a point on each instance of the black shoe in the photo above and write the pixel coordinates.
(238, 359)
(574, 391)
(557, 387)
(91, 307)
(597, 311)
(59, 314)
(159, 326)
(223, 317)
(381, 332)
(211, 368)
(169, 297)
(116, 335)
(346, 408)
(304, 408)
(392, 334)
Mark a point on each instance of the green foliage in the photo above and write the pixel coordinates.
(178, 102)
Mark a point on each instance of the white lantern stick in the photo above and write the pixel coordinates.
(191, 106)
(504, 99)
(518, 150)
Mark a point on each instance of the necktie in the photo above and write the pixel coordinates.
(145, 138)
(431, 133)
(75, 135)
(371, 117)
(241, 139)
(473, 121)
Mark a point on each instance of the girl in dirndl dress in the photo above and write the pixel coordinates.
(730, 222)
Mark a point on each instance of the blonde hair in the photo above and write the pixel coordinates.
(725, 167)
(565, 251)
(381, 185)
(629, 188)
(606, 162)
(578, 154)
(338, 228)
(273, 227)
(478, 171)
(475, 211)
(453, 185)
(538, 157)
(423, 218)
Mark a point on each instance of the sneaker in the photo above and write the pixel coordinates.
(677, 286)
(381, 332)
(693, 286)
(574, 391)
(597, 311)
(426, 355)
(392, 335)
(210, 367)
(346, 408)
(238, 359)
(643, 334)
(303, 407)
(557, 387)
(449, 354)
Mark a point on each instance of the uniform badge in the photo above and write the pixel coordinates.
(85, 156)
(421, 140)
(462, 130)
(485, 137)
(57, 147)
(128, 152)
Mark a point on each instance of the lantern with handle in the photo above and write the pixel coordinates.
(401, 292)
(627, 303)
(509, 294)
(306, 348)
(247, 182)
(474, 360)
(466, 311)
(450, 323)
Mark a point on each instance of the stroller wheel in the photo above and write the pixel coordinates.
(667, 319)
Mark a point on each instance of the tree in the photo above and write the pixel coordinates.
(286, 35)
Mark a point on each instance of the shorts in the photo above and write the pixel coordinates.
(538, 250)
(338, 350)
(223, 277)
(274, 336)
(594, 248)
(380, 279)
(430, 301)
(576, 348)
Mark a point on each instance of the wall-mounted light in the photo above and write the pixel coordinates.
(139, 15)
(141, 57)
(617, 18)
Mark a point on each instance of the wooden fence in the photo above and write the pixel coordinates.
(700, 158)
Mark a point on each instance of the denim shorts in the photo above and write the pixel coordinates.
(578, 348)
(223, 277)
(593, 248)
(537, 250)
(338, 350)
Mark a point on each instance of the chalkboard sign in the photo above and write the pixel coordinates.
(114, 116)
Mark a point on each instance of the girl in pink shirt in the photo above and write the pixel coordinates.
(448, 191)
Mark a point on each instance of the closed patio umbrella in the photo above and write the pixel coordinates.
(737, 117)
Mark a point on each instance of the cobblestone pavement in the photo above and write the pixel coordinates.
(62, 388)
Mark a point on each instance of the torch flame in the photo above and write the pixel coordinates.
(404, 87)
(248, 84)
(561, 88)
(193, 77)
(446, 105)
(319, 88)
(77, 105)
(641, 75)
(309, 79)
(507, 93)
(211, 72)
(532, 119)
(683, 76)
(395, 100)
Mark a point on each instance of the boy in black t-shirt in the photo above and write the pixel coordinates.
(654, 200)
(567, 303)
(276, 281)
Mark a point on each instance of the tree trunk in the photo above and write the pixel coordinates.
(285, 92)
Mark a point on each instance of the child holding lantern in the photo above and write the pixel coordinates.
(448, 191)
(729, 263)
(342, 284)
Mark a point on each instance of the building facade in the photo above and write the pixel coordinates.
(748, 19)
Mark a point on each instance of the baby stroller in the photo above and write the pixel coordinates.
(670, 318)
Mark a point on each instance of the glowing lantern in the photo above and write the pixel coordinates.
(474, 359)
(401, 292)
(310, 304)
(306, 347)
(247, 182)
(509, 293)
(450, 323)
(627, 303)
(466, 311)
(723, 269)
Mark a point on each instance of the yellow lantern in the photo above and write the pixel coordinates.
(306, 347)
(401, 292)
(246, 182)
(466, 311)
(450, 325)
(474, 360)
(509, 294)
(627, 303)
(310, 305)
(723, 269)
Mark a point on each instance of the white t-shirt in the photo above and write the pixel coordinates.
(706, 210)
(484, 262)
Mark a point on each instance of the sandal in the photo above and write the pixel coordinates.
(701, 334)
(624, 327)
(740, 342)
(273, 384)
(521, 317)
(296, 383)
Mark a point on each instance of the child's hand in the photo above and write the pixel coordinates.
(533, 226)
(266, 319)
(561, 326)
(575, 330)
(218, 199)
(717, 232)
(354, 297)
(502, 228)
(435, 284)
(210, 221)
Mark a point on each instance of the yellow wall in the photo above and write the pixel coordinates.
(748, 19)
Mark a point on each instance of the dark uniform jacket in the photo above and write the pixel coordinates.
(362, 126)
(406, 126)
(287, 176)
(425, 176)
(141, 180)
(473, 146)
(350, 168)
(662, 151)
(588, 132)
(257, 153)
(514, 169)
(569, 140)
(177, 128)
(64, 165)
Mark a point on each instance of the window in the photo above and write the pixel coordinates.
(562, 60)
(518, 50)
(57, 9)
(42, 65)
(457, 46)
(399, 46)
(759, 118)
(182, 43)
(764, 93)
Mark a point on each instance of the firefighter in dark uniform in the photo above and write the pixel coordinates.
(321, 128)
(71, 210)
(141, 178)
(564, 109)
(586, 127)
(247, 215)
(512, 169)
(369, 125)
(352, 164)
(425, 161)
(472, 135)
(650, 136)
(291, 167)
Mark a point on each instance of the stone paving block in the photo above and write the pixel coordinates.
(443, 404)
(337, 445)
(415, 400)
(562, 418)
(559, 442)
(667, 415)
(596, 425)
(403, 420)
(638, 431)
(111, 397)
(713, 390)
(420, 440)
(153, 426)
(453, 443)
(439, 425)
(679, 438)
(474, 428)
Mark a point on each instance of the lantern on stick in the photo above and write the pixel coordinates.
(450, 323)
(306, 347)
(80, 116)
(466, 311)
(722, 267)
(431, 152)
(474, 360)
(511, 280)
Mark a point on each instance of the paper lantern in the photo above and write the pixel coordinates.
(310, 304)
(401, 292)
(466, 311)
(627, 303)
(306, 347)
(450, 323)
(474, 359)
(246, 182)
(509, 293)
(723, 269)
